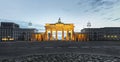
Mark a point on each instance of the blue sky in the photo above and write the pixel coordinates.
(101, 13)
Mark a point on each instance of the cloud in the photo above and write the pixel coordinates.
(116, 19)
(65, 9)
(96, 10)
(106, 3)
(97, 5)
(109, 18)
(102, 5)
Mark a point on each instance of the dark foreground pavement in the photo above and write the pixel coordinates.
(21, 49)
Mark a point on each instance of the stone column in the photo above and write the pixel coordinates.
(67, 35)
(72, 35)
(46, 34)
(56, 35)
(62, 34)
(51, 34)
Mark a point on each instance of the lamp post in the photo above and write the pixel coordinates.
(88, 25)
(8, 38)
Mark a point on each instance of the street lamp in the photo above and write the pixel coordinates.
(8, 38)
(88, 25)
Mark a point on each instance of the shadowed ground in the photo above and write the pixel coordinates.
(17, 49)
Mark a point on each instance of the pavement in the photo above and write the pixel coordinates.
(20, 48)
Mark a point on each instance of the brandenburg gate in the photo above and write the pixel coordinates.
(59, 26)
(52, 31)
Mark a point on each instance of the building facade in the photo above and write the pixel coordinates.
(102, 34)
(80, 36)
(10, 31)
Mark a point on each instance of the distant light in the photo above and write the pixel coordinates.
(108, 36)
(112, 36)
(4, 39)
(115, 36)
(11, 39)
(105, 36)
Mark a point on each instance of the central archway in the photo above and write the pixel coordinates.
(59, 31)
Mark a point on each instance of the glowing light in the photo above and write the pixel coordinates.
(105, 36)
(112, 36)
(108, 36)
(11, 39)
(4, 39)
(115, 36)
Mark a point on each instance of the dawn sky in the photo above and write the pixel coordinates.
(101, 13)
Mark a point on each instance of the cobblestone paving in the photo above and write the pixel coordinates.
(64, 57)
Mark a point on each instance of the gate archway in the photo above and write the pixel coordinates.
(67, 31)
